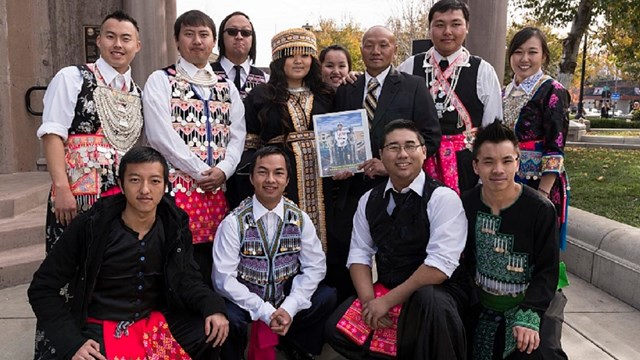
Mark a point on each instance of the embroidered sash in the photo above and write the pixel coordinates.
(147, 338)
(384, 340)
(444, 166)
(441, 84)
(91, 168)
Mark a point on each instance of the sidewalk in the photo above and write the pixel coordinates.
(597, 326)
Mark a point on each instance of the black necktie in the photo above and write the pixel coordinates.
(236, 80)
(399, 199)
(444, 64)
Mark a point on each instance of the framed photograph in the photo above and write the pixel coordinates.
(342, 141)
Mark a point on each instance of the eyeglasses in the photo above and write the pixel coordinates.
(234, 32)
(396, 148)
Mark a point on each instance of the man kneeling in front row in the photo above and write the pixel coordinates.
(268, 263)
(416, 228)
(122, 282)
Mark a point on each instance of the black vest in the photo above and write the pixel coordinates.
(401, 238)
(256, 76)
(466, 89)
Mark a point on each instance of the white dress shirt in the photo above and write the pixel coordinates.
(162, 137)
(62, 95)
(447, 228)
(229, 69)
(381, 77)
(487, 85)
(226, 257)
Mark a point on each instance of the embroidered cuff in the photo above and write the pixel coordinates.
(252, 141)
(527, 318)
(552, 164)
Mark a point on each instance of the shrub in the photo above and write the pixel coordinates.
(599, 123)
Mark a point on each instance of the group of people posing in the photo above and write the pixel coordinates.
(188, 219)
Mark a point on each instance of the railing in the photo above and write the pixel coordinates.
(27, 99)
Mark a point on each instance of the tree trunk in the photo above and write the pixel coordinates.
(571, 45)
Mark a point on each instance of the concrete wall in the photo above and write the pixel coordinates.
(25, 51)
(66, 19)
(605, 253)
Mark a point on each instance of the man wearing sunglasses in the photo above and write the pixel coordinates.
(416, 228)
(237, 47)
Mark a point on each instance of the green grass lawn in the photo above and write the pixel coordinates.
(605, 182)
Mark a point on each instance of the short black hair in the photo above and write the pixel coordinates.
(494, 133)
(193, 18)
(222, 49)
(121, 16)
(267, 151)
(335, 47)
(401, 124)
(143, 154)
(525, 34)
(449, 5)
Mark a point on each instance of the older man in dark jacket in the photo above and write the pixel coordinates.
(122, 281)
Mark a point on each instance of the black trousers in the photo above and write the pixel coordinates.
(430, 327)
(305, 332)
(551, 329)
(204, 258)
(188, 330)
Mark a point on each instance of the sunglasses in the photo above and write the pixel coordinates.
(234, 32)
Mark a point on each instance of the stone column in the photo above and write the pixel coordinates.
(488, 31)
(154, 17)
(171, 13)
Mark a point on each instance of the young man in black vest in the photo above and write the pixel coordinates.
(386, 94)
(416, 228)
(465, 90)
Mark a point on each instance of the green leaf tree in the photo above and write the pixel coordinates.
(349, 35)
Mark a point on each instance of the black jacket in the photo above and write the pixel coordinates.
(63, 285)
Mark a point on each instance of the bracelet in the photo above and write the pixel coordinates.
(546, 193)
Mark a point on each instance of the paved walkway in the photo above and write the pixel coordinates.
(597, 326)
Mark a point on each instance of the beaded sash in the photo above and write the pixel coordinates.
(90, 160)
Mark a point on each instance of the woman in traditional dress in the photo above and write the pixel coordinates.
(336, 64)
(536, 108)
(280, 113)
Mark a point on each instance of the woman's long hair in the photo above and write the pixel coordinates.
(277, 93)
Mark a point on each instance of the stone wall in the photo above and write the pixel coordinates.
(39, 37)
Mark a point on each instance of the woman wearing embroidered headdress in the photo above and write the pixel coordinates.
(280, 113)
(536, 106)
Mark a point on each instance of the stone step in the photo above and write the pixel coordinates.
(610, 139)
(603, 145)
(21, 192)
(23, 230)
(18, 265)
